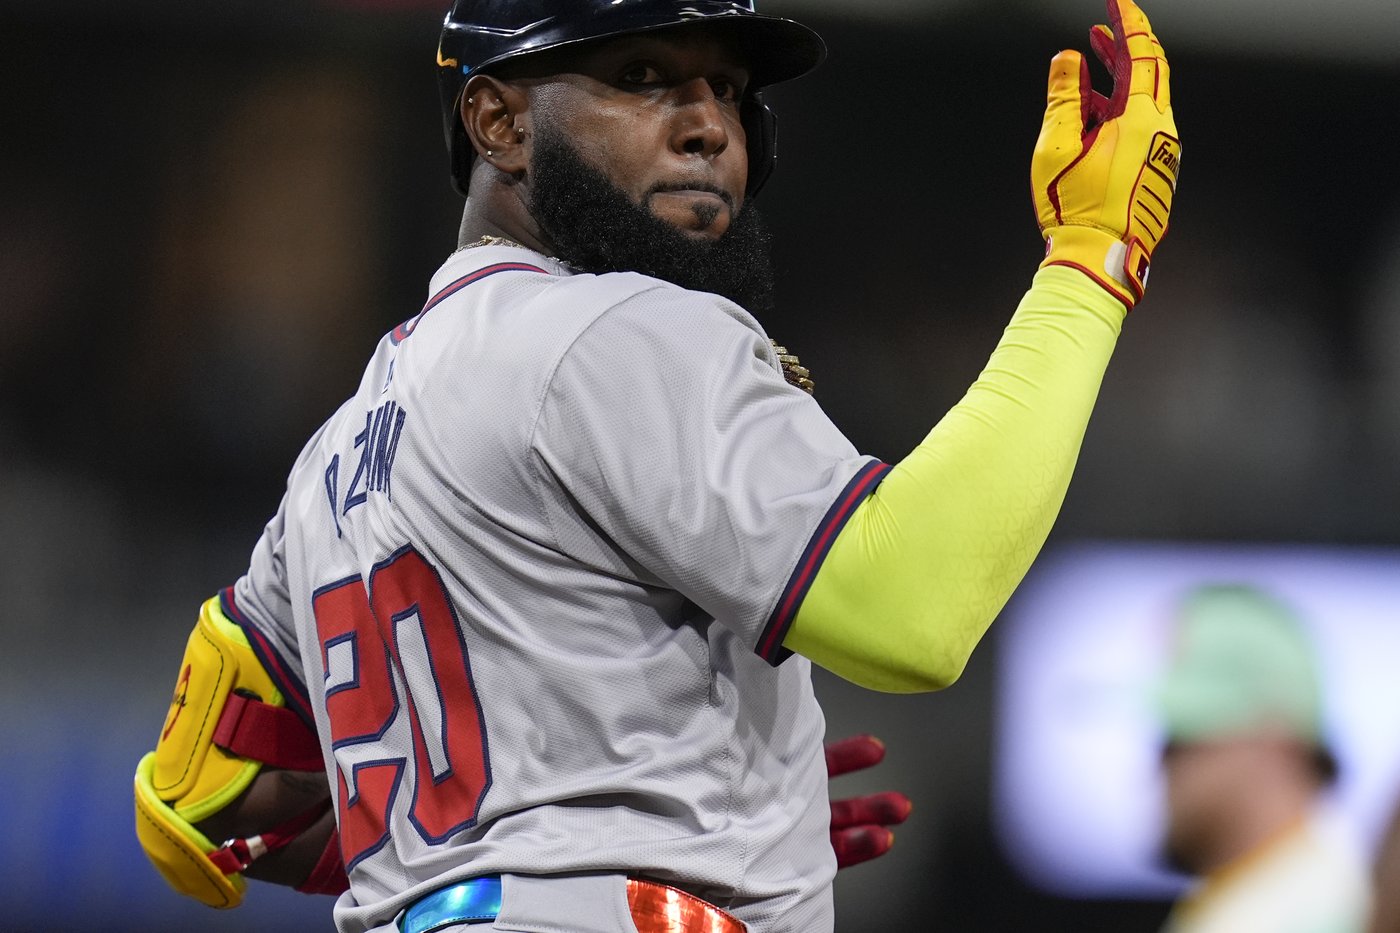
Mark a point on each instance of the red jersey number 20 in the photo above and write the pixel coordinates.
(400, 638)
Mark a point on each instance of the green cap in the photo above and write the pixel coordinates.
(1243, 665)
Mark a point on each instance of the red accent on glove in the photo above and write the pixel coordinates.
(858, 831)
(853, 754)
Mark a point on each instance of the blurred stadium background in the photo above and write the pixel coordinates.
(210, 211)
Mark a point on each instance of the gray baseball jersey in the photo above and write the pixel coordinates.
(531, 584)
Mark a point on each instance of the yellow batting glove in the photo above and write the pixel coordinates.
(1105, 168)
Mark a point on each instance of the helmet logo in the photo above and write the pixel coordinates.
(445, 62)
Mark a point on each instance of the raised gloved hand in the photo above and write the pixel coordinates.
(859, 824)
(1105, 168)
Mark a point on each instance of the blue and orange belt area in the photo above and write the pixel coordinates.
(656, 908)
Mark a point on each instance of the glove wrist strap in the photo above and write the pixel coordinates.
(1101, 256)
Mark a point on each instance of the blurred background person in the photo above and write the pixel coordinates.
(1247, 769)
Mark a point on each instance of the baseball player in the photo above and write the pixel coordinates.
(549, 584)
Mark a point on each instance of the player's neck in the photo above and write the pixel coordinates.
(480, 220)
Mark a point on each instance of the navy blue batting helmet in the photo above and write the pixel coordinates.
(478, 34)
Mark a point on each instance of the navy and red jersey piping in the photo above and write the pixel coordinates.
(298, 700)
(770, 642)
(402, 332)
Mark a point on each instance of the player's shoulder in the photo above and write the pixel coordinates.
(514, 321)
(586, 296)
(643, 307)
(653, 339)
(505, 292)
(496, 297)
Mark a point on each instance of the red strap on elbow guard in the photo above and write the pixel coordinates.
(276, 736)
(273, 735)
(328, 877)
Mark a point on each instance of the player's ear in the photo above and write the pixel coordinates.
(493, 112)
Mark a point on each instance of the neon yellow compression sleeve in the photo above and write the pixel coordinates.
(929, 559)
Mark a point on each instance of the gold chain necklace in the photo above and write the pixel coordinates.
(490, 240)
(793, 371)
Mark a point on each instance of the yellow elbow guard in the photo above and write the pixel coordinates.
(189, 777)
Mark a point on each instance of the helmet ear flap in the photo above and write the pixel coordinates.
(761, 128)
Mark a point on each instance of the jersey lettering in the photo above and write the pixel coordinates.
(400, 638)
(353, 494)
(386, 446)
(378, 444)
(362, 704)
(332, 478)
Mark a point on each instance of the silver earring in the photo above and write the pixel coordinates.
(489, 153)
(470, 101)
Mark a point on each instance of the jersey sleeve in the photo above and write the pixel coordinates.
(260, 604)
(671, 448)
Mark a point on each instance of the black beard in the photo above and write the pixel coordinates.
(595, 227)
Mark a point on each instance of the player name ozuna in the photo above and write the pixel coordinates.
(373, 453)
